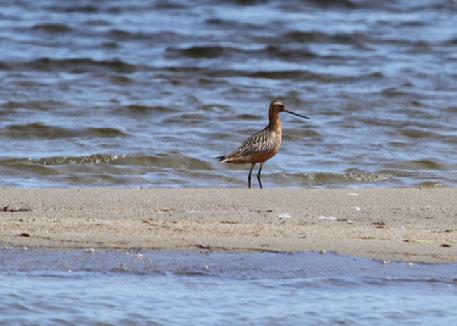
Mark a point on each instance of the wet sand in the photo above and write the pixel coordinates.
(391, 224)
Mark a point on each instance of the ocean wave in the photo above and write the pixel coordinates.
(140, 109)
(338, 4)
(52, 28)
(121, 35)
(170, 160)
(321, 37)
(276, 74)
(423, 164)
(25, 167)
(74, 65)
(274, 51)
(214, 51)
(39, 130)
(73, 7)
(203, 52)
(326, 178)
(41, 105)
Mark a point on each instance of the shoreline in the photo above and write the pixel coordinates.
(414, 225)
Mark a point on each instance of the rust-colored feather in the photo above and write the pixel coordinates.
(257, 148)
(263, 145)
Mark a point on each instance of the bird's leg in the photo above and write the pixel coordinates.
(258, 175)
(249, 176)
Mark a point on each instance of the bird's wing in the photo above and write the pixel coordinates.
(262, 142)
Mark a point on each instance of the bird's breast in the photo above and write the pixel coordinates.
(278, 140)
(271, 143)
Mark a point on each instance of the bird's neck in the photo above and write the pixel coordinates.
(274, 121)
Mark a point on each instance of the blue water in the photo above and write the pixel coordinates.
(146, 93)
(160, 287)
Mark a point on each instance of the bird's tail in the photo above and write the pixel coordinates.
(221, 158)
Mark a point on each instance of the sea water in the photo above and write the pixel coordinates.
(201, 288)
(146, 93)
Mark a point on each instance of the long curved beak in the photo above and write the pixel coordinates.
(298, 115)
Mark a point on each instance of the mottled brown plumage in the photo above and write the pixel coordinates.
(263, 145)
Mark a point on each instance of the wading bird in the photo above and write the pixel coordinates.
(261, 146)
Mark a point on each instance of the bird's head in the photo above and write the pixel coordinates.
(277, 106)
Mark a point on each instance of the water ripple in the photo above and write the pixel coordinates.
(165, 83)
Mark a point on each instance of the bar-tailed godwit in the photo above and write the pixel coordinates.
(261, 146)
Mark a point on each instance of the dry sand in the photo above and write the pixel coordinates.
(393, 224)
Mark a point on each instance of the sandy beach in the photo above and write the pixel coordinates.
(417, 225)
